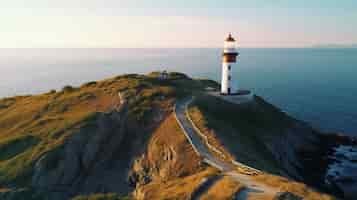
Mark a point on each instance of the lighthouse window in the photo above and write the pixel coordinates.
(229, 77)
(229, 67)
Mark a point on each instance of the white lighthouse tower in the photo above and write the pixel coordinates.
(230, 54)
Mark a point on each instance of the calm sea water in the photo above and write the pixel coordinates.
(316, 85)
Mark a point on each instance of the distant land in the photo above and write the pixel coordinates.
(335, 46)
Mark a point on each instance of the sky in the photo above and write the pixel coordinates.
(175, 23)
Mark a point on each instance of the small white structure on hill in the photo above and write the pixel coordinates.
(230, 54)
(163, 75)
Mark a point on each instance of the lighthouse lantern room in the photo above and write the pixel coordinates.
(230, 54)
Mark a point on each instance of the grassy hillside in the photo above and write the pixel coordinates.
(240, 130)
(90, 143)
(34, 126)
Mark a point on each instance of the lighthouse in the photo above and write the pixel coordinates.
(230, 54)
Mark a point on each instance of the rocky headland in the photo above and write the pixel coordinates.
(119, 138)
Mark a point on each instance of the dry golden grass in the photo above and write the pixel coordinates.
(169, 149)
(178, 189)
(5, 190)
(224, 189)
(58, 105)
(52, 117)
(180, 172)
(294, 187)
(46, 118)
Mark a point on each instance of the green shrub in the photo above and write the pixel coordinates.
(7, 102)
(68, 88)
(51, 92)
(89, 84)
(86, 96)
(15, 146)
(177, 75)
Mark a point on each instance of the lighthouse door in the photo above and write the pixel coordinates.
(229, 90)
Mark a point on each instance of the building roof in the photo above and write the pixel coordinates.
(230, 38)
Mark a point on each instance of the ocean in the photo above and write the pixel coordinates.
(316, 85)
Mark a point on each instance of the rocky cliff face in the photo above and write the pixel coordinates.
(308, 155)
(272, 140)
(302, 152)
(110, 154)
(168, 156)
(92, 159)
(286, 148)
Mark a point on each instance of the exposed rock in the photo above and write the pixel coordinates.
(90, 160)
(145, 169)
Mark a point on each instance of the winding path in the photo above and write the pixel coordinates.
(253, 189)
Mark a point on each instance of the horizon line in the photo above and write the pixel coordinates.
(180, 47)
